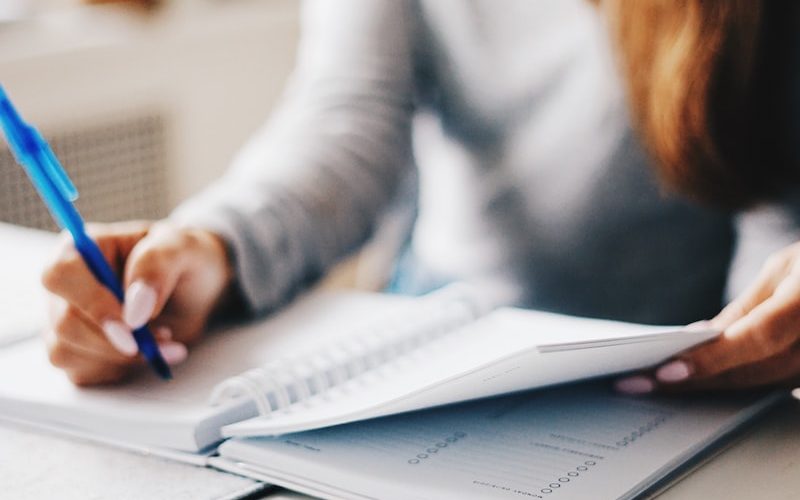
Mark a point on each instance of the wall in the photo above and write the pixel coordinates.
(211, 70)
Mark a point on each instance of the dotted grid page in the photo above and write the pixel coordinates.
(571, 442)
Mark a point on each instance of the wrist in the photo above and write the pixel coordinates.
(229, 300)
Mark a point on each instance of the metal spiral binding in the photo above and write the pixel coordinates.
(279, 385)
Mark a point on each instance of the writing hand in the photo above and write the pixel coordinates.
(174, 279)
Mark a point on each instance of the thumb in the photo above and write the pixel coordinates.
(152, 272)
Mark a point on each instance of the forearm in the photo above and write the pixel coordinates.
(309, 187)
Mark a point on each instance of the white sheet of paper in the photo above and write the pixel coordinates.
(496, 354)
(23, 255)
(149, 411)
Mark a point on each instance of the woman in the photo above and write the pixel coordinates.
(531, 177)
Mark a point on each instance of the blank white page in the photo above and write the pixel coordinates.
(23, 255)
(498, 353)
(572, 442)
(167, 414)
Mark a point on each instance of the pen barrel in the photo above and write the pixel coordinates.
(97, 263)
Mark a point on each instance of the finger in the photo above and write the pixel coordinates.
(152, 272)
(779, 370)
(91, 375)
(118, 239)
(768, 329)
(72, 327)
(760, 290)
(82, 367)
(70, 278)
(86, 367)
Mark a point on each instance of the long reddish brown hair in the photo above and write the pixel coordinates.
(708, 90)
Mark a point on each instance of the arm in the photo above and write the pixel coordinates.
(308, 188)
(305, 191)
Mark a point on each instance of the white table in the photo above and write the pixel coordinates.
(37, 465)
(764, 463)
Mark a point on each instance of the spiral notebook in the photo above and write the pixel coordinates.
(330, 359)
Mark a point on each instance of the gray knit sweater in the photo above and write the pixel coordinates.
(510, 117)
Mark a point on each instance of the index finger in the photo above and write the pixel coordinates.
(768, 329)
(70, 278)
(760, 290)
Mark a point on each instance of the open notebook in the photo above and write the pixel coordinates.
(572, 442)
(336, 358)
(331, 359)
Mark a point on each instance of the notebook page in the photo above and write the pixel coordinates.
(23, 255)
(150, 411)
(496, 354)
(572, 442)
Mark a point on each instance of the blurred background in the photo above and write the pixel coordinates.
(143, 102)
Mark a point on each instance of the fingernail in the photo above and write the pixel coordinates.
(140, 299)
(173, 352)
(120, 337)
(675, 371)
(637, 384)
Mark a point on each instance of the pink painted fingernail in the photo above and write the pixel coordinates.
(120, 337)
(140, 300)
(638, 384)
(173, 352)
(675, 371)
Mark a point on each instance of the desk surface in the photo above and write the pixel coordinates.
(764, 462)
(36, 465)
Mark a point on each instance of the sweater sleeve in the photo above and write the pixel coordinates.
(309, 187)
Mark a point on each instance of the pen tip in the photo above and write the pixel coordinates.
(161, 368)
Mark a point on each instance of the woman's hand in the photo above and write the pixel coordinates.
(174, 280)
(759, 345)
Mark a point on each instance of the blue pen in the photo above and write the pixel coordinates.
(57, 191)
